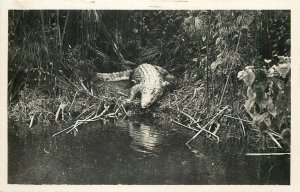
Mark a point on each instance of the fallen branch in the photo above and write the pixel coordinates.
(243, 128)
(250, 122)
(197, 124)
(84, 111)
(73, 101)
(273, 138)
(223, 92)
(88, 119)
(31, 120)
(61, 109)
(207, 124)
(188, 127)
(113, 115)
(68, 127)
(266, 154)
(194, 95)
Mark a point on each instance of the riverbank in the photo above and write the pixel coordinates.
(183, 104)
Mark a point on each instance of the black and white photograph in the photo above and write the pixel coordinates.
(149, 97)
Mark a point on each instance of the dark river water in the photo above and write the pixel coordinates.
(136, 152)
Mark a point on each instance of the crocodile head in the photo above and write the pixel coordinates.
(150, 95)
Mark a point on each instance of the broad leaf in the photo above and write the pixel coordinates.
(251, 99)
(260, 118)
(247, 76)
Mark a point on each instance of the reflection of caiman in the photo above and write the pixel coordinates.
(150, 81)
(145, 138)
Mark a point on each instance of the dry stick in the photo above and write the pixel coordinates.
(62, 131)
(79, 122)
(65, 26)
(191, 128)
(242, 125)
(275, 133)
(31, 120)
(95, 117)
(209, 123)
(195, 91)
(114, 113)
(58, 29)
(198, 121)
(124, 110)
(238, 118)
(73, 101)
(83, 86)
(66, 129)
(264, 154)
(85, 111)
(201, 128)
(224, 90)
(89, 92)
(105, 109)
(57, 113)
(272, 137)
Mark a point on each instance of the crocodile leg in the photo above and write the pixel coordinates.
(133, 91)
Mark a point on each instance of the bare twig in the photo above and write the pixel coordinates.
(73, 101)
(266, 154)
(62, 131)
(61, 108)
(31, 120)
(224, 90)
(209, 123)
(203, 129)
(228, 116)
(57, 113)
(70, 126)
(188, 127)
(84, 111)
(114, 113)
(273, 138)
(243, 128)
(88, 119)
(197, 124)
(195, 91)
(64, 30)
(274, 133)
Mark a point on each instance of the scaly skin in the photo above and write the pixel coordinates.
(150, 81)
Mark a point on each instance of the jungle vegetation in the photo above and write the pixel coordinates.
(232, 68)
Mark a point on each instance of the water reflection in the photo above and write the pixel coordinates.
(145, 139)
(136, 152)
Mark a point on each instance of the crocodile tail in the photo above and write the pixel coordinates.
(117, 76)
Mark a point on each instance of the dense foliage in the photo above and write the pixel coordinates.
(203, 49)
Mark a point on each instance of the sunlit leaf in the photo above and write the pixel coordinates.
(247, 76)
(259, 118)
(251, 99)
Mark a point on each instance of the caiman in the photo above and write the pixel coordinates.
(150, 81)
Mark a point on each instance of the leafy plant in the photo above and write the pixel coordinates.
(268, 98)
